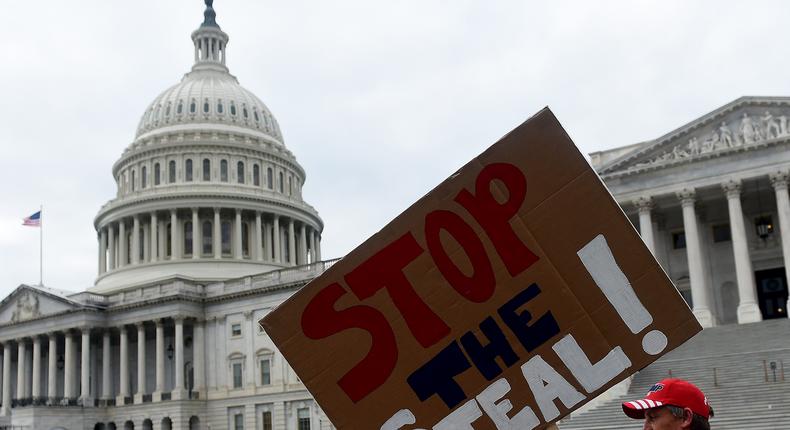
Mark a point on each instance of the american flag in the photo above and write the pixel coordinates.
(33, 220)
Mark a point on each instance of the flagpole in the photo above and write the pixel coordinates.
(41, 247)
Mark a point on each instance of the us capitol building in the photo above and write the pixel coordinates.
(207, 233)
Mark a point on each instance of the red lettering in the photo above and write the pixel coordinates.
(321, 320)
(495, 217)
(480, 286)
(384, 270)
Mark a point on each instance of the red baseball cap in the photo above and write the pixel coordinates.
(675, 392)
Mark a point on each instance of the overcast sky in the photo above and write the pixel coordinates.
(379, 100)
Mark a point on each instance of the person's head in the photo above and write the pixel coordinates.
(672, 404)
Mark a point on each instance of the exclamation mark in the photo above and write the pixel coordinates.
(597, 257)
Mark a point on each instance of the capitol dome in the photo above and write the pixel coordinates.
(207, 190)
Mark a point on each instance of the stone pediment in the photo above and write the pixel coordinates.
(28, 302)
(745, 124)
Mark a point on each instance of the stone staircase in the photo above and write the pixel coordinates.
(731, 365)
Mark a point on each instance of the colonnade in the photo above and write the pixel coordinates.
(748, 309)
(61, 369)
(208, 233)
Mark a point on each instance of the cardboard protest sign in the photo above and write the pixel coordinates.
(505, 298)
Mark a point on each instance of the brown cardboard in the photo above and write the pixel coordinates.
(565, 207)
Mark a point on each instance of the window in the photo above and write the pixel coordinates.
(223, 170)
(188, 238)
(171, 173)
(290, 186)
(721, 233)
(208, 242)
(266, 420)
(255, 114)
(266, 371)
(167, 110)
(244, 112)
(235, 330)
(281, 182)
(232, 109)
(206, 169)
(219, 106)
(303, 415)
(245, 239)
(679, 240)
(133, 179)
(225, 237)
(157, 174)
(205, 106)
(188, 172)
(256, 175)
(237, 382)
(270, 178)
(240, 172)
(168, 244)
(144, 177)
(192, 107)
(238, 421)
(180, 108)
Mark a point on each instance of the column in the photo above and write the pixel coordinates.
(217, 239)
(106, 366)
(302, 245)
(174, 243)
(197, 243)
(748, 310)
(699, 288)
(136, 240)
(160, 360)
(36, 383)
(178, 391)
(250, 350)
(645, 205)
(122, 245)
(123, 391)
(154, 237)
(237, 231)
(5, 408)
(103, 251)
(317, 246)
(199, 356)
(68, 365)
(291, 243)
(258, 242)
(52, 367)
(276, 241)
(146, 243)
(85, 368)
(267, 241)
(779, 180)
(111, 246)
(20, 368)
(138, 397)
(312, 246)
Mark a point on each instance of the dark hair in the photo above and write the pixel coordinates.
(698, 422)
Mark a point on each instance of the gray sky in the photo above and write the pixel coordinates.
(379, 100)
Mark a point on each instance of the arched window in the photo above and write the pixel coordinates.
(223, 170)
(208, 238)
(282, 183)
(255, 114)
(167, 110)
(206, 169)
(240, 172)
(256, 175)
(205, 106)
(188, 238)
(225, 227)
(219, 106)
(245, 239)
(270, 178)
(192, 106)
(134, 176)
(244, 112)
(144, 177)
(188, 172)
(157, 174)
(171, 172)
(233, 109)
(180, 108)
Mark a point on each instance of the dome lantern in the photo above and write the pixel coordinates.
(210, 42)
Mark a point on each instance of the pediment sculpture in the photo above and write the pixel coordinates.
(26, 307)
(746, 131)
